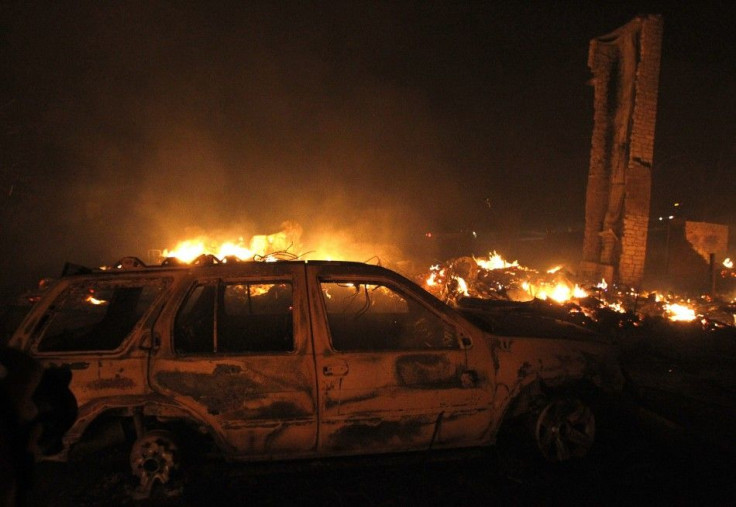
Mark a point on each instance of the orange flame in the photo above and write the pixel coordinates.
(495, 261)
(93, 300)
(680, 312)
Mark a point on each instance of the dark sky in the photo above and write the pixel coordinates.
(127, 126)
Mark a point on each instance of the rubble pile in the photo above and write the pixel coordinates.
(493, 282)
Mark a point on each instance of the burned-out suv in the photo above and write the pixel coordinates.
(304, 359)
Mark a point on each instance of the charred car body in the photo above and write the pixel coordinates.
(304, 359)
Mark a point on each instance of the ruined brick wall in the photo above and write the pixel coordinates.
(625, 67)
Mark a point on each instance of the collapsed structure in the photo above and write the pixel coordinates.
(625, 67)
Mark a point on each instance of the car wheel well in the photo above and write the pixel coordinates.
(531, 399)
(530, 411)
(117, 427)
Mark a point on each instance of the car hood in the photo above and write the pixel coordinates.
(515, 324)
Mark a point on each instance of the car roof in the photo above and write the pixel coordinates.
(133, 265)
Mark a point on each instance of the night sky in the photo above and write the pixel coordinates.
(127, 126)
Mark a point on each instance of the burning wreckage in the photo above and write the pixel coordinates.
(289, 358)
(303, 359)
(496, 285)
(678, 353)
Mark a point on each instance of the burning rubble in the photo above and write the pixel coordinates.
(266, 247)
(494, 281)
(482, 281)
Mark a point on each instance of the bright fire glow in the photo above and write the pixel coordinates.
(679, 312)
(495, 261)
(263, 245)
(559, 292)
(435, 273)
(188, 250)
(462, 286)
(616, 306)
(95, 301)
(728, 263)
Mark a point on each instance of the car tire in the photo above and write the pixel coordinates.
(565, 429)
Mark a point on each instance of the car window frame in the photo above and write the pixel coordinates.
(37, 333)
(220, 282)
(395, 287)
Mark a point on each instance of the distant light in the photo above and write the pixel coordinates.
(676, 204)
(660, 219)
(671, 217)
(429, 235)
(475, 234)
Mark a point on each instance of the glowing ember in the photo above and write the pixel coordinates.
(679, 312)
(616, 306)
(95, 301)
(559, 292)
(434, 275)
(578, 292)
(462, 286)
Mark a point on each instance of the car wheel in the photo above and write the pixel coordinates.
(565, 429)
(155, 457)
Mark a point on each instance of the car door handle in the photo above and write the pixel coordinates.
(335, 370)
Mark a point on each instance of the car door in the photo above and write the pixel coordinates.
(393, 372)
(91, 328)
(235, 352)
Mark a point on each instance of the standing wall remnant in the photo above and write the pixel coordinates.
(625, 67)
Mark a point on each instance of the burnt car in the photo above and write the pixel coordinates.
(304, 359)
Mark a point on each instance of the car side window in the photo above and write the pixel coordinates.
(97, 315)
(239, 317)
(365, 316)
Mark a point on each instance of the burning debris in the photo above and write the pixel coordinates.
(267, 247)
(479, 282)
(485, 282)
(458, 281)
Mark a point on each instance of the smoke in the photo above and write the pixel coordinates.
(366, 124)
(161, 127)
